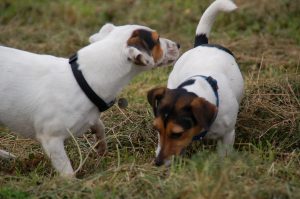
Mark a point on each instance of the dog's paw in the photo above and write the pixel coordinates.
(101, 148)
(68, 176)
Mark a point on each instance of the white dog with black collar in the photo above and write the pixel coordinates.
(203, 94)
(40, 98)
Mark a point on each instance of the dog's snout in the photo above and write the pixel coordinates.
(178, 45)
(159, 162)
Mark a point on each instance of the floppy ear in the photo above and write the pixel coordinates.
(154, 97)
(139, 57)
(204, 112)
(104, 31)
(144, 47)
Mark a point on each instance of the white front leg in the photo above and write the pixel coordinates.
(225, 145)
(54, 148)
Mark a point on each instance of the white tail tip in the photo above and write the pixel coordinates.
(226, 5)
(208, 18)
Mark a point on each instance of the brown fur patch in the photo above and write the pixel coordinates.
(204, 111)
(146, 41)
(177, 129)
(155, 36)
(157, 53)
(158, 124)
(179, 117)
(175, 146)
(135, 40)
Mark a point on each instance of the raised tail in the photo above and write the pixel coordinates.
(208, 18)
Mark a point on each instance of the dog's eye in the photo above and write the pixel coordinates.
(186, 122)
(176, 135)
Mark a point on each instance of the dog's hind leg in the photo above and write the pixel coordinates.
(99, 131)
(54, 148)
(225, 144)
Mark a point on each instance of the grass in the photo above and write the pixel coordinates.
(264, 35)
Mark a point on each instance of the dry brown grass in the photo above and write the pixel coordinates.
(262, 34)
(271, 113)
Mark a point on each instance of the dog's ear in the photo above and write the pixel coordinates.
(139, 57)
(154, 97)
(144, 48)
(204, 112)
(104, 31)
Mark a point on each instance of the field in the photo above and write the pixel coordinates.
(264, 35)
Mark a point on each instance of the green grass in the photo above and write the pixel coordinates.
(264, 36)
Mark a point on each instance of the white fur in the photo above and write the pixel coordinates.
(6, 155)
(210, 61)
(209, 16)
(104, 31)
(41, 99)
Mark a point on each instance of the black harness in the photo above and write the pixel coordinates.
(89, 92)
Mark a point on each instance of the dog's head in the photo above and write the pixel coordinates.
(143, 46)
(179, 116)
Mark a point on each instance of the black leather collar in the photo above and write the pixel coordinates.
(100, 103)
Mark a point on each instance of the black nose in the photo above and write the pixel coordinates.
(178, 45)
(159, 162)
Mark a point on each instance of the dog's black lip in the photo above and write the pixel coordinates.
(158, 162)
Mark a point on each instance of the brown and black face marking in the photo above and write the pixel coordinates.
(146, 41)
(179, 116)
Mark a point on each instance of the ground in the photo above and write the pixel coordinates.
(264, 36)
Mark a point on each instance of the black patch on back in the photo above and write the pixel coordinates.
(146, 36)
(200, 40)
(187, 83)
(218, 47)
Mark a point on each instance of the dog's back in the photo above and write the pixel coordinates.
(23, 82)
(209, 59)
(14, 85)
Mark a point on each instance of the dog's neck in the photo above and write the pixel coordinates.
(106, 68)
(202, 89)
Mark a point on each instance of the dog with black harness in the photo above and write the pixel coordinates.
(203, 94)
